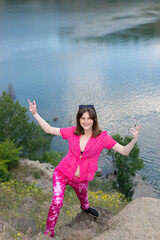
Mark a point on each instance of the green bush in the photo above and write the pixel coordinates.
(52, 157)
(126, 165)
(9, 156)
(98, 174)
(36, 174)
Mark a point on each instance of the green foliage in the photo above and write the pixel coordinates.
(15, 125)
(98, 174)
(126, 165)
(9, 156)
(52, 157)
(37, 174)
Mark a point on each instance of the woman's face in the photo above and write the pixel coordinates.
(86, 122)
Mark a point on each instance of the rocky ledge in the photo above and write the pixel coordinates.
(139, 220)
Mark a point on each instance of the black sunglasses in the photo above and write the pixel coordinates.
(84, 106)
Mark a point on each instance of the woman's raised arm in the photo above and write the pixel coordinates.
(45, 126)
(125, 150)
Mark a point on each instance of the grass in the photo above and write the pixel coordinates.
(25, 205)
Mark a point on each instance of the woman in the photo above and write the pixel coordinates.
(86, 141)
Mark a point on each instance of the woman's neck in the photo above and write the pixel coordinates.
(88, 133)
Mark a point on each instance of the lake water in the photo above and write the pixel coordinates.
(106, 53)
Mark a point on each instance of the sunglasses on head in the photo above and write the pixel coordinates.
(84, 106)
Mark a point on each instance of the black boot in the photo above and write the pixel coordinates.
(91, 211)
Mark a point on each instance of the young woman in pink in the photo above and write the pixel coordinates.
(86, 141)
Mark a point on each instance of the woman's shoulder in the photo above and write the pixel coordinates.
(72, 129)
(103, 133)
(67, 132)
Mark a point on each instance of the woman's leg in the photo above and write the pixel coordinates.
(59, 185)
(80, 189)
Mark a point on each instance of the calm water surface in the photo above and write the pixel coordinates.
(107, 53)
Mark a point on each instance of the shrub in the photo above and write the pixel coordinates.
(52, 157)
(126, 165)
(9, 156)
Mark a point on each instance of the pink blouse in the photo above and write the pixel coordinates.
(88, 161)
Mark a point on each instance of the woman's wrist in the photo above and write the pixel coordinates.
(135, 139)
(35, 114)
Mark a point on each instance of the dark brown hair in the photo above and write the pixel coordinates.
(92, 113)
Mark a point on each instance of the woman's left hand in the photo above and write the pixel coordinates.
(135, 132)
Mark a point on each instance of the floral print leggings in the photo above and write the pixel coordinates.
(60, 182)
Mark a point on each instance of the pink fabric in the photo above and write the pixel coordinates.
(60, 182)
(88, 162)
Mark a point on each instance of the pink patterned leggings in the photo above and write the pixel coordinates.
(60, 182)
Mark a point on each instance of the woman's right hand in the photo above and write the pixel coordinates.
(32, 107)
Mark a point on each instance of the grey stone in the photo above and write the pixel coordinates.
(139, 220)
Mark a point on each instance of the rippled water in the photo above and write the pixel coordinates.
(107, 53)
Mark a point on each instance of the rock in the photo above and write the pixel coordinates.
(50, 166)
(41, 236)
(85, 226)
(143, 189)
(134, 180)
(139, 220)
(27, 169)
(26, 223)
(7, 231)
(29, 231)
